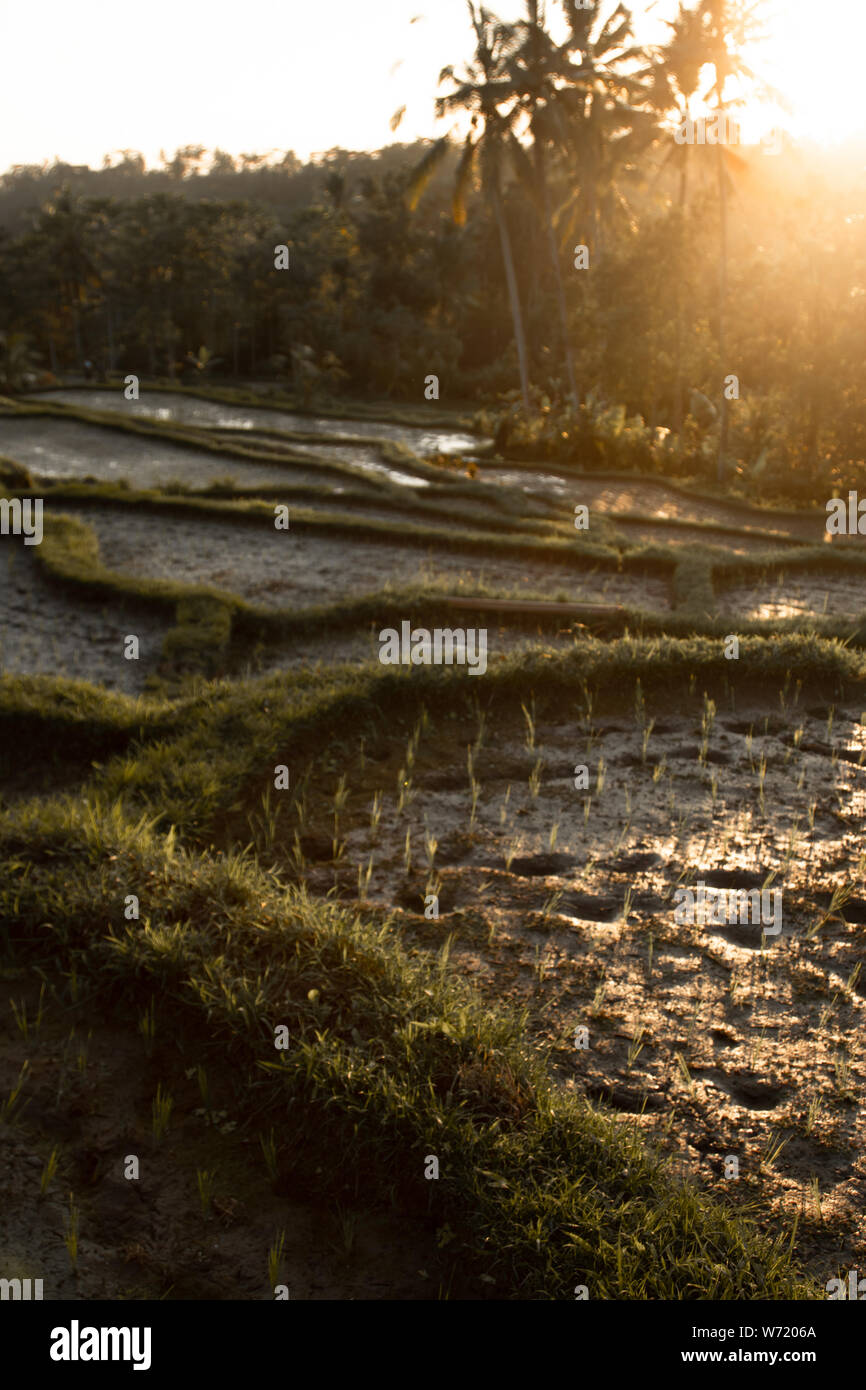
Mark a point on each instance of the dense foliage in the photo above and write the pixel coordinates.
(704, 261)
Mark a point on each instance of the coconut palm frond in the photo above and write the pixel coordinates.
(425, 170)
(463, 180)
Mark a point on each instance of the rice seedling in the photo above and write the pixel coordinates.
(269, 1150)
(345, 1226)
(811, 1115)
(205, 1182)
(431, 844)
(364, 876)
(298, 857)
(842, 1076)
(762, 773)
(553, 835)
(833, 912)
(635, 1048)
(203, 1087)
(535, 779)
(639, 703)
(707, 720)
(263, 824)
(407, 853)
(529, 716)
(161, 1109)
(275, 1259)
(815, 1189)
(338, 802)
(20, 1014)
(405, 794)
(598, 998)
(756, 1048)
(683, 1066)
(70, 1239)
(510, 850)
(772, 1149)
(621, 838)
(48, 1172)
(542, 959)
(826, 1012)
(851, 981)
(474, 789)
(503, 810)
(599, 779)
(645, 738)
(587, 804)
(659, 770)
(551, 904)
(147, 1026)
(479, 734)
(375, 814)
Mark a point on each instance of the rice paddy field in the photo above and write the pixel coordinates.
(374, 970)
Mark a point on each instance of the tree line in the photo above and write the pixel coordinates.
(561, 254)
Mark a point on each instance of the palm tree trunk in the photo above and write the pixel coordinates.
(514, 298)
(678, 328)
(721, 463)
(557, 272)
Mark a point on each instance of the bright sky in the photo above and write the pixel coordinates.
(83, 77)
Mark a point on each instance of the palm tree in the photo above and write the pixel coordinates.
(579, 98)
(481, 90)
(675, 72)
(728, 26)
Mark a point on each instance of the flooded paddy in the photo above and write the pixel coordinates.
(281, 568)
(713, 1038)
(68, 449)
(188, 410)
(44, 631)
(803, 594)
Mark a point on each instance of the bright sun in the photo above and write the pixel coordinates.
(813, 55)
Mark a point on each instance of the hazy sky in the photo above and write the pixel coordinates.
(83, 77)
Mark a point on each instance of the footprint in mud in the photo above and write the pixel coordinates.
(541, 865)
(744, 1089)
(631, 863)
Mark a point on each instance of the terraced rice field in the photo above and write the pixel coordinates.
(551, 825)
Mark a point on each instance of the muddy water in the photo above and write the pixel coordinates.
(562, 901)
(44, 632)
(67, 449)
(653, 500)
(186, 410)
(797, 595)
(281, 568)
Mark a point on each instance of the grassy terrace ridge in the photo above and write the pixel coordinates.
(391, 1056)
(210, 618)
(197, 752)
